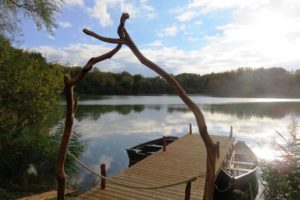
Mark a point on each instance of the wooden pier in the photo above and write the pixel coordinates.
(183, 159)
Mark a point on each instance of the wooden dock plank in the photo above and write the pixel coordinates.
(45, 195)
(184, 158)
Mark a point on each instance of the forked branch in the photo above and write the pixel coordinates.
(211, 148)
(71, 108)
(124, 38)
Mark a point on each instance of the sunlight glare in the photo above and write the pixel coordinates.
(270, 32)
(266, 153)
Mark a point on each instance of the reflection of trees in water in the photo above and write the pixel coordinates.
(90, 181)
(240, 110)
(111, 146)
(178, 108)
(154, 107)
(260, 110)
(247, 110)
(95, 111)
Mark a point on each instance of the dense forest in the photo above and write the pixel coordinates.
(243, 82)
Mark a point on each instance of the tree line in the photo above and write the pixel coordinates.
(243, 82)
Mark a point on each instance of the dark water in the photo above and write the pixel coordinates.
(111, 124)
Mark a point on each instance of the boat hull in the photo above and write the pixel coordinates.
(141, 151)
(230, 188)
(237, 179)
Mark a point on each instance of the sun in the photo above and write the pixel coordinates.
(266, 153)
(272, 34)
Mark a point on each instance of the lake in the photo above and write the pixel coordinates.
(110, 124)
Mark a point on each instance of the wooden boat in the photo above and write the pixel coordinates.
(237, 179)
(141, 151)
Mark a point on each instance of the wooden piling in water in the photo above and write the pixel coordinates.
(188, 191)
(218, 152)
(164, 143)
(103, 173)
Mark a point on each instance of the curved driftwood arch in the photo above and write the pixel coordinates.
(125, 39)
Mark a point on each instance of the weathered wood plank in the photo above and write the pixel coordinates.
(45, 195)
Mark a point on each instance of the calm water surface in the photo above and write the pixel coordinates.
(110, 124)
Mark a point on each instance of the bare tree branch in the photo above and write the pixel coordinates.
(124, 38)
(88, 66)
(211, 148)
(104, 39)
(71, 108)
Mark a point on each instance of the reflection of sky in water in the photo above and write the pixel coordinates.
(170, 100)
(110, 129)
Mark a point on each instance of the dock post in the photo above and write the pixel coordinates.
(164, 143)
(190, 129)
(188, 190)
(103, 173)
(231, 132)
(218, 152)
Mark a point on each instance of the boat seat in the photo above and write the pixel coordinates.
(150, 148)
(134, 150)
(155, 145)
(244, 163)
(237, 169)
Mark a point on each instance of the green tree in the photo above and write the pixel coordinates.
(29, 86)
(42, 12)
(30, 91)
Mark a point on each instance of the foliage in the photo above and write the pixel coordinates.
(281, 178)
(29, 87)
(42, 12)
(244, 82)
(30, 91)
(28, 162)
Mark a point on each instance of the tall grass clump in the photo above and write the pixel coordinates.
(281, 177)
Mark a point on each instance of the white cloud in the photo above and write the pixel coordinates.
(261, 34)
(75, 54)
(128, 8)
(156, 43)
(64, 24)
(217, 56)
(187, 16)
(213, 5)
(145, 10)
(102, 10)
(145, 6)
(51, 37)
(171, 59)
(199, 22)
(168, 31)
(74, 2)
(268, 37)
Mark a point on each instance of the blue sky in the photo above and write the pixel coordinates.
(193, 36)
